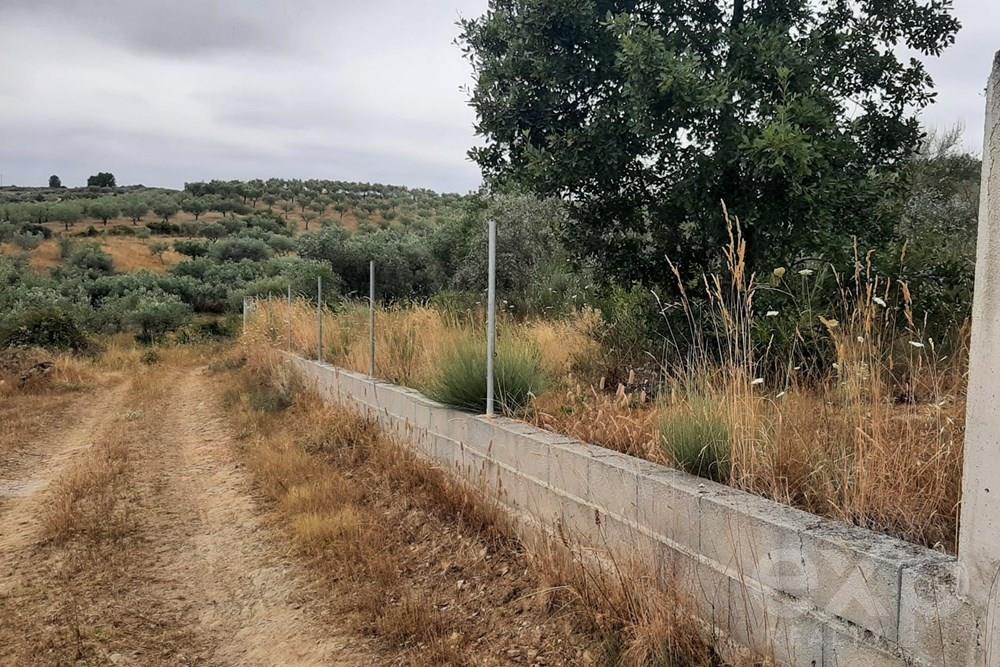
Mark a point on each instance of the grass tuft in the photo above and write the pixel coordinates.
(697, 439)
(461, 378)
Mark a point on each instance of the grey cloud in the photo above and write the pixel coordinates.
(166, 92)
(182, 28)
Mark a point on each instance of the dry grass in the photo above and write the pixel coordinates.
(128, 254)
(86, 501)
(89, 501)
(131, 254)
(422, 551)
(876, 440)
(626, 421)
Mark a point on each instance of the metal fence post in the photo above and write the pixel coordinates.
(289, 318)
(371, 317)
(319, 318)
(491, 317)
(244, 314)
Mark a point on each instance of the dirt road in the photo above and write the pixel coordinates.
(129, 535)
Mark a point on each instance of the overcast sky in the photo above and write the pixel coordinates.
(166, 92)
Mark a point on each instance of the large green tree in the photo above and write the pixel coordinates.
(645, 114)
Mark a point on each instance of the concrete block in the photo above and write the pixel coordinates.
(810, 591)
(633, 547)
(449, 422)
(480, 433)
(845, 645)
(698, 584)
(580, 523)
(753, 537)
(855, 573)
(357, 386)
(394, 400)
(936, 625)
(569, 468)
(448, 453)
(613, 482)
(775, 624)
(479, 469)
(668, 505)
(527, 494)
(979, 528)
(517, 444)
(423, 408)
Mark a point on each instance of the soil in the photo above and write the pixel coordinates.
(200, 580)
(205, 572)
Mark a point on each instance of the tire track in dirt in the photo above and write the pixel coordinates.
(27, 475)
(216, 551)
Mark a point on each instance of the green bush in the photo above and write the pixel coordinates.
(27, 241)
(51, 327)
(155, 315)
(697, 439)
(238, 249)
(192, 248)
(461, 379)
(91, 258)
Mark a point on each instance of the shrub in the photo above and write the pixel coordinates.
(213, 230)
(90, 259)
(192, 248)
(121, 230)
(696, 437)
(164, 228)
(27, 240)
(237, 249)
(156, 315)
(157, 249)
(49, 327)
(461, 379)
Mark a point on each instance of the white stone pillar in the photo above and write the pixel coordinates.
(979, 536)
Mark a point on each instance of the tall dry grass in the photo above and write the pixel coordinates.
(874, 439)
(337, 478)
(410, 341)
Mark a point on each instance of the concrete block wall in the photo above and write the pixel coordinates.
(814, 592)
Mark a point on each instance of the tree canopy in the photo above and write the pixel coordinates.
(103, 179)
(645, 115)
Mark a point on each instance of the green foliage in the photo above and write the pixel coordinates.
(213, 231)
(526, 244)
(800, 115)
(135, 207)
(49, 327)
(239, 249)
(104, 208)
(938, 228)
(103, 179)
(55, 181)
(405, 267)
(627, 333)
(165, 206)
(697, 439)
(87, 258)
(192, 248)
(67, 212)
(155, 315)
(461, 379)
(27, 241)
(195, 206)
(157, 248)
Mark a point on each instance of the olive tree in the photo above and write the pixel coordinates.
(166, 207)
(104, 209)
